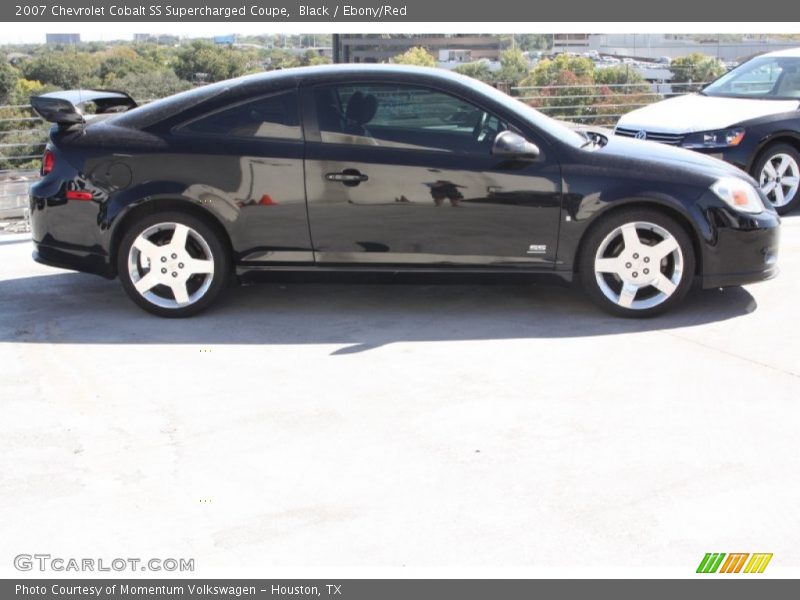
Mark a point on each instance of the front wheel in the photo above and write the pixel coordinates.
(778, 173)
(172, 264)
(637, 263)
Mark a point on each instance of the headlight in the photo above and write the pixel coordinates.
(738, 194)
(724, 138)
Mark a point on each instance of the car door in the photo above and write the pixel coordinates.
(403, 174)
(247, 166)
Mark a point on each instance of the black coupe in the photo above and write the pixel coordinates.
(380, 168)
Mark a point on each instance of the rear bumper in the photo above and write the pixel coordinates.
(74, 260)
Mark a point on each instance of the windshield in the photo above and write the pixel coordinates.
(764, 78)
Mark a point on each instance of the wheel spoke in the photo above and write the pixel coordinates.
(607, 265)
(769, 169)
(195, 266)
(767, 189)
(630, 236)
(664, 284)
(179, 291)
(627, 295)
(784, 164)
(179, 236)
(147, 282)
(779, 197)
(790, 181)
(147, 248)
(664, 248)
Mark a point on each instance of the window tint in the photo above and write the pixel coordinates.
(271, 117)
(399, 116)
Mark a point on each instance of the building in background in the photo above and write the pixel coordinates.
(374, 48)
(65, 39)
(665, 45)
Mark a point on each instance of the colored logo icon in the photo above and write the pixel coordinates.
(719, 562)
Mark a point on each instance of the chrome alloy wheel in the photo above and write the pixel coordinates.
(170, 265)
(638, 265)
(779, 179)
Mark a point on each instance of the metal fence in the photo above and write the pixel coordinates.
(597, 104)
(22, 139)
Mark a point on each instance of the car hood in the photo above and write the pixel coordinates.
(694, 112)
(652, 157)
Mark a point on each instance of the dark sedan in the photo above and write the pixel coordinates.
(381, 168)
(749, 117)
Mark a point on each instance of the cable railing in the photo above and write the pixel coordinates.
(598, 104)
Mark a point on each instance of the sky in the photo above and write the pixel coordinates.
(34, 33)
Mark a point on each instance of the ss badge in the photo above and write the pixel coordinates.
(537, 249)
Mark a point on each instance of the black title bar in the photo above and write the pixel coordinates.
(376, 11)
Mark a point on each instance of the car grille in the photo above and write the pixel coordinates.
(673, 139)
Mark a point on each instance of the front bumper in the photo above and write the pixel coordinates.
(738, 248)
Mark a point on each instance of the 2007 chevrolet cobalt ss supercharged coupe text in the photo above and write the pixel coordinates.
(381, 168)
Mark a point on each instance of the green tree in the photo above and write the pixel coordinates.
(477, 70)
(417, 56)
(8, 81)
(67, 69)
(571, 87)
(526, 41)
(152, 85)
(120, 62)
(214, 61)
(694, 68)
(313, 58)
(514, 67)
(548, 71)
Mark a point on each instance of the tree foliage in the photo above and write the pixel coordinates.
(572, 87)
(215, 62)
(694, 68)
(477, 70)
(152, 85)
(417, 56)
(66, 69)
(514, 67)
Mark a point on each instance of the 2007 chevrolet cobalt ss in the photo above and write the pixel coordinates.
(381, 168)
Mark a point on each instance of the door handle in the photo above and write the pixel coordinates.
(347, 177)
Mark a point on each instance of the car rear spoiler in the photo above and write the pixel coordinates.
(62, 107)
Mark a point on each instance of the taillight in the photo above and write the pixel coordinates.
(48, 162)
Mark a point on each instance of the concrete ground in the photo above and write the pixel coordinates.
(398, 425)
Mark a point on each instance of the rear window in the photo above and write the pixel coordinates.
(159, 110)
(275, 116)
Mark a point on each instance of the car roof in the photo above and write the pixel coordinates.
(789, 52)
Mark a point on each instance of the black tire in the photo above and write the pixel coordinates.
(769, 154)
(606, 238)
(202, 288)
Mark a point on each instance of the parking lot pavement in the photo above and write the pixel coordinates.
(391, 425)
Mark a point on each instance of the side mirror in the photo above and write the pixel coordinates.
(512, 145)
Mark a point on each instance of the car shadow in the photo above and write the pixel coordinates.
(369, 312)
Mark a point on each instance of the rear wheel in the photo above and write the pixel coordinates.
(778, 173)
(172, 264)
(637, 263)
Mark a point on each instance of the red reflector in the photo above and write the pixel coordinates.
(48, 162)
(78, 195)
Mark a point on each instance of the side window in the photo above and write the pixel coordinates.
(400, 116)
(273, 116)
